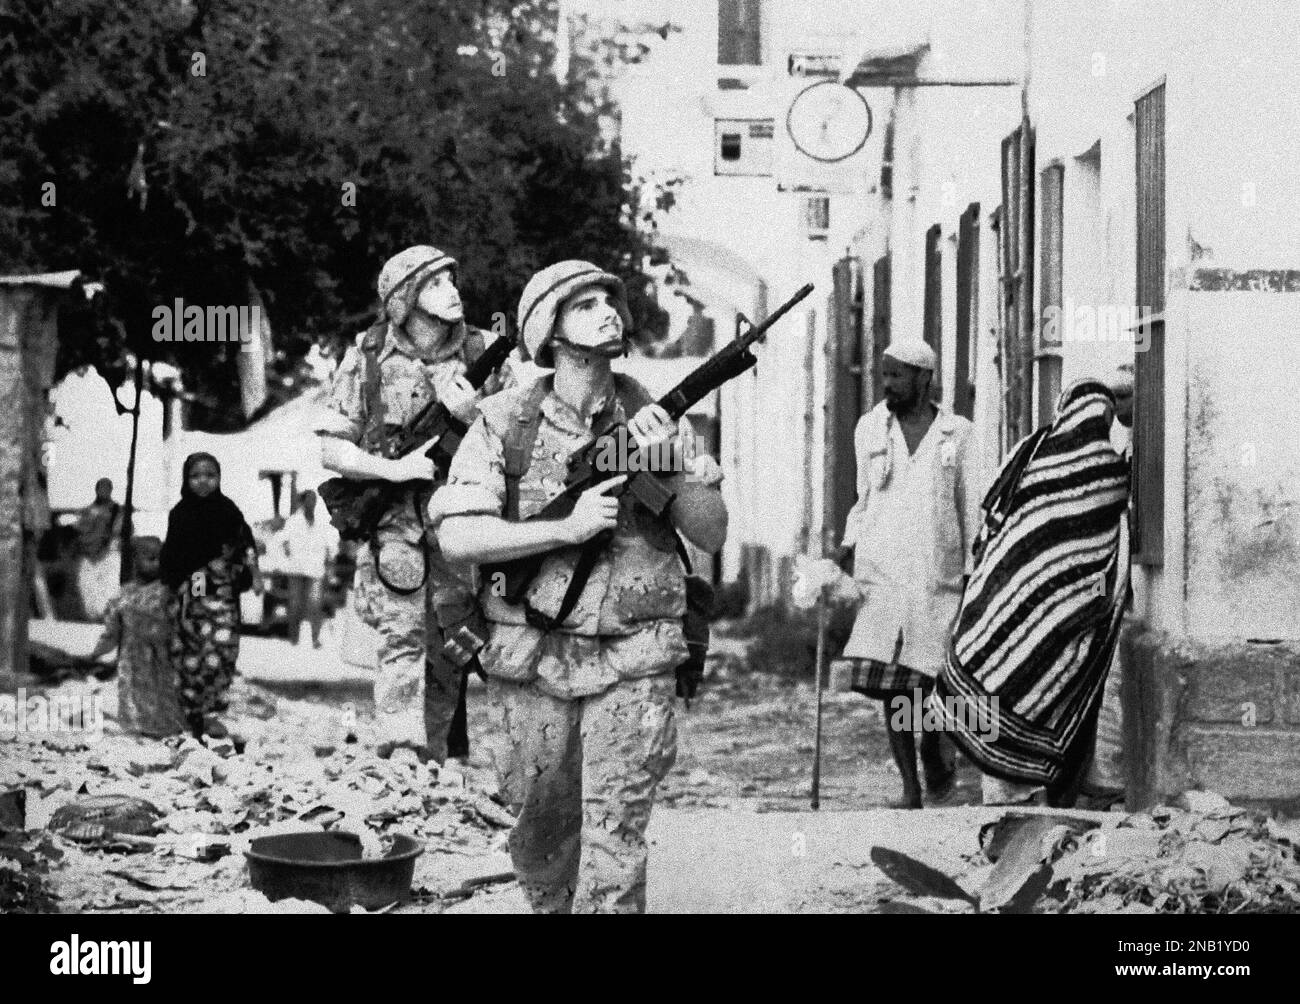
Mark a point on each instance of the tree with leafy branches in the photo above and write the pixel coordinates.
(194, 148)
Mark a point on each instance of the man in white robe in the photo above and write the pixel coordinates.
(919, 491)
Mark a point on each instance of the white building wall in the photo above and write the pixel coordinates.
(741, 242)
(1232, 471)
(946, 156)
(1232, 202)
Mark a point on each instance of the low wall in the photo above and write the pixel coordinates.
(1218, 717)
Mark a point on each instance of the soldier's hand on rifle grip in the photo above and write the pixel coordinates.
(651, 427)
(460, 397)
(594, 512)
(415, 466)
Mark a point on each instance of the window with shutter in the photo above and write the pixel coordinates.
(844, 390)
(887, 161)
(879, 323)
(968, 257)
(739, 32)
(1016, 284)
(932, 316)
(1149, 365)
(1048, 357)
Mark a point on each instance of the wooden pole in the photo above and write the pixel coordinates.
(820, 667)
(128, 505)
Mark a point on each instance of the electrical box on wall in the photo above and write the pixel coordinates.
(744, 147)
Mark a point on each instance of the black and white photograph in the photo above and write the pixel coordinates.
(488, 457)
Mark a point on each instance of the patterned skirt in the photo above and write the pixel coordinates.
(873, 678)
(206, 644)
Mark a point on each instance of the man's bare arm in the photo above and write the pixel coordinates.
(484, 539)
(350, 461)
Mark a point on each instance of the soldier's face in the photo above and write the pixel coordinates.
(589, 319)
(440, 297)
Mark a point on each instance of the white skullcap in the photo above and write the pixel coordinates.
(1121, 380)
(913, 352)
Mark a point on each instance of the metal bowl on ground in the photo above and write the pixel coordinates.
(328, 868)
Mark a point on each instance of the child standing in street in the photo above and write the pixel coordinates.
(208, 559)
(139, 623)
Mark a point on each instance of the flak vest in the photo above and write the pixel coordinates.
(375, 432)
(647, 581)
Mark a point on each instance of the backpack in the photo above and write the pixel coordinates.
(372, 344)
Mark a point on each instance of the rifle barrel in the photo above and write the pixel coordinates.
(760, 329)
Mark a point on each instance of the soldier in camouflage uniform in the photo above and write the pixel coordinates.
(586, 708)
(418, 352)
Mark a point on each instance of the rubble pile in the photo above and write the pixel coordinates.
(1200, 855)
(1203, 856)
(302, 767)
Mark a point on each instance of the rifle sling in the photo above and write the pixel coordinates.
(373, 403)
(518, 453)
(582, 570)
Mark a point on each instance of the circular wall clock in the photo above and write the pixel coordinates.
(829, 121)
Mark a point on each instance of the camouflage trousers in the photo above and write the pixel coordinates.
(580, 775)
(417, 685)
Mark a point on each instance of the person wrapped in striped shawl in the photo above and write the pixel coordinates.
(1041, 613)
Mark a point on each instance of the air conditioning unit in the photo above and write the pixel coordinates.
(744, 147)
(815, 215)
(813, 65)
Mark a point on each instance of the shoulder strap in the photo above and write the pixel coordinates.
(630, 394)
(372, 343)
(517, 444)
(682, 552)
(475, 343)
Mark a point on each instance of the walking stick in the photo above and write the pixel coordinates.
(821, 662)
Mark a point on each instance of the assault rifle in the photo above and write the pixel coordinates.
(587, 469)
(356, 507)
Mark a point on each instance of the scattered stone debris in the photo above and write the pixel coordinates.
(1214, 859)
(1200, 855)
(117, 823)
(24, 866)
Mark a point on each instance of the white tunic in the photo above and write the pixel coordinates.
(912, 529)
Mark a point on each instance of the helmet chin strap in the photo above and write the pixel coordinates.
(603, 351)
(433, 318)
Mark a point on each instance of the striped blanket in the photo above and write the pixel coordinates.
(1041, 614)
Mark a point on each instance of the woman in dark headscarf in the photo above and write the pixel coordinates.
(1042, 611)
(208, 558)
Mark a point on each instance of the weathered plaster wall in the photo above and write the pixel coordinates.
(28, 341)
(1243, 463)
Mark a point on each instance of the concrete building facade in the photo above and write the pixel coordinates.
(1157, 219)
(1058, 189)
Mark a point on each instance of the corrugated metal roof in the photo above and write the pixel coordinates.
(53, 280)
